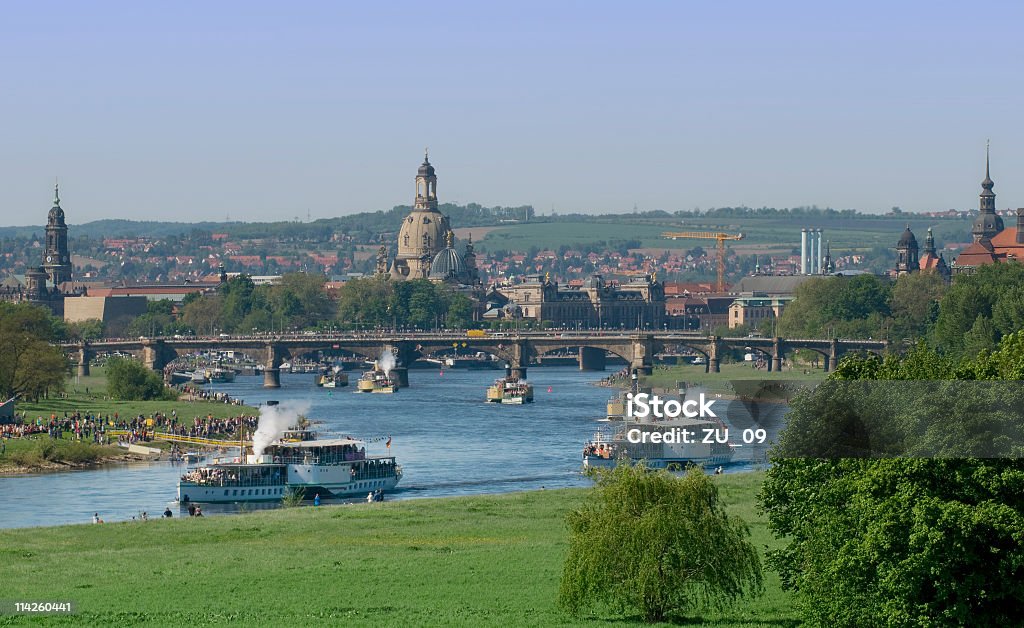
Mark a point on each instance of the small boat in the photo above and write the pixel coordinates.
(332, 379)
(510, 390)
(332, 468)
(376, 381)
(220, 375)
(689, 442)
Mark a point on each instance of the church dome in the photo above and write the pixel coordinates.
(447, 264)
(422, 231)
(908, 239)
(426, 169)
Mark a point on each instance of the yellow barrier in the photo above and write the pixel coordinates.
(192, 440)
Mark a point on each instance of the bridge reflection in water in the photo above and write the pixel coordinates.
(517, 350)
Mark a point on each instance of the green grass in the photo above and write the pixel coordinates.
(40, 451)
(666, 377)
(471, 561)
(88, 394)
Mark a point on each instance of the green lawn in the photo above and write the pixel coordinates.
(666, 377)
(471, 561)
(88, 394)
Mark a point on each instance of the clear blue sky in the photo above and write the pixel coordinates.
(196, 110)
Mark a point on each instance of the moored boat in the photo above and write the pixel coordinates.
(334, 378)
(220, 375)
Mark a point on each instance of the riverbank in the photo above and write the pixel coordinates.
(40, 453)
(481, 560)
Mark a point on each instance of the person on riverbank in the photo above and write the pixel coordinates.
(191, 510)
(95, 517)
(316, 499)
(199, 511)
(167, 513)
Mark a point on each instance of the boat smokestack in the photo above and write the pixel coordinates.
(508, 370)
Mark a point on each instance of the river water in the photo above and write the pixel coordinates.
(447, 439)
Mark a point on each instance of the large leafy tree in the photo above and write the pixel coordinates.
(878, 534)
(852, 307)
(30, 366)
(979, 309)
(129, 380)
(658, 544)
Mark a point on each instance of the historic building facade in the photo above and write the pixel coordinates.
(993, 242)
(638, 304)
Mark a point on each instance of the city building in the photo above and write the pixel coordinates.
(637, 304)
(757, 310)
(993, 242)
(48, 284)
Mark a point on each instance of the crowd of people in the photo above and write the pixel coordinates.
(94, 427)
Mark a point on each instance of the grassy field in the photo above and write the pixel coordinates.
(846, 235)
(469, 561)
(667, 376)
(88, 394)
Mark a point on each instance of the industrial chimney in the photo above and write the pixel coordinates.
(803, 251)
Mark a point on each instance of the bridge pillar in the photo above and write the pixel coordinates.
(643, 355)
(519, 359)
(592, 359)
(401, 376)
(153, 354)
(272, 359)
(83, 359)
(714, 348)
(777, 354)
(405, 354)
(832, 359)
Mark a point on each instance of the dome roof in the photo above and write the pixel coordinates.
(447, 264)
(907, 239)
(56, 213)
(426, 169)
(987, 223)
(422, 230)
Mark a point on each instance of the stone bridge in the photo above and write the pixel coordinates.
(517, 350)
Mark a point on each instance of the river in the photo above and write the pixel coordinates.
(447, 439)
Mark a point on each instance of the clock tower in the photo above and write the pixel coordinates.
(56, 258)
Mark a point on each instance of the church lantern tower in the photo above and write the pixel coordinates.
(907, 253)
(56, 257)
(422, 235)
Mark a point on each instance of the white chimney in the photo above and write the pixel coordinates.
(803, 251)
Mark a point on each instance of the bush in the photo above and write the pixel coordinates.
(657, 544)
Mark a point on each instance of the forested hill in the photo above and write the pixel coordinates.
(364, 226)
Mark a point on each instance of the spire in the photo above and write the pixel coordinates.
(929, 243)
(56, 193)
(987, 184)
(426, 155)
(449, 238)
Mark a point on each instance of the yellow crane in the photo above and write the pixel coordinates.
(720, 238)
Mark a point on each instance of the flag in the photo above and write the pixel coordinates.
(388, 444)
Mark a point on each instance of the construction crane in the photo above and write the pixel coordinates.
(720, 238)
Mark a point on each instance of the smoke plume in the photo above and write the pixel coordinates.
(386, 362)
(274, 421)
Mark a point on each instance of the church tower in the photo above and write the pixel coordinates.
(56, 258)
(907, 253)
(422, 235)
(988, 223)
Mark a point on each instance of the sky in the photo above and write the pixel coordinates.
(253, 110)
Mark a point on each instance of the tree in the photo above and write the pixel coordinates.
(994, 295)
(659, 544)
(915, 304)
(30, 366)
(129, 380)
(89, 329)
(878, 534)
